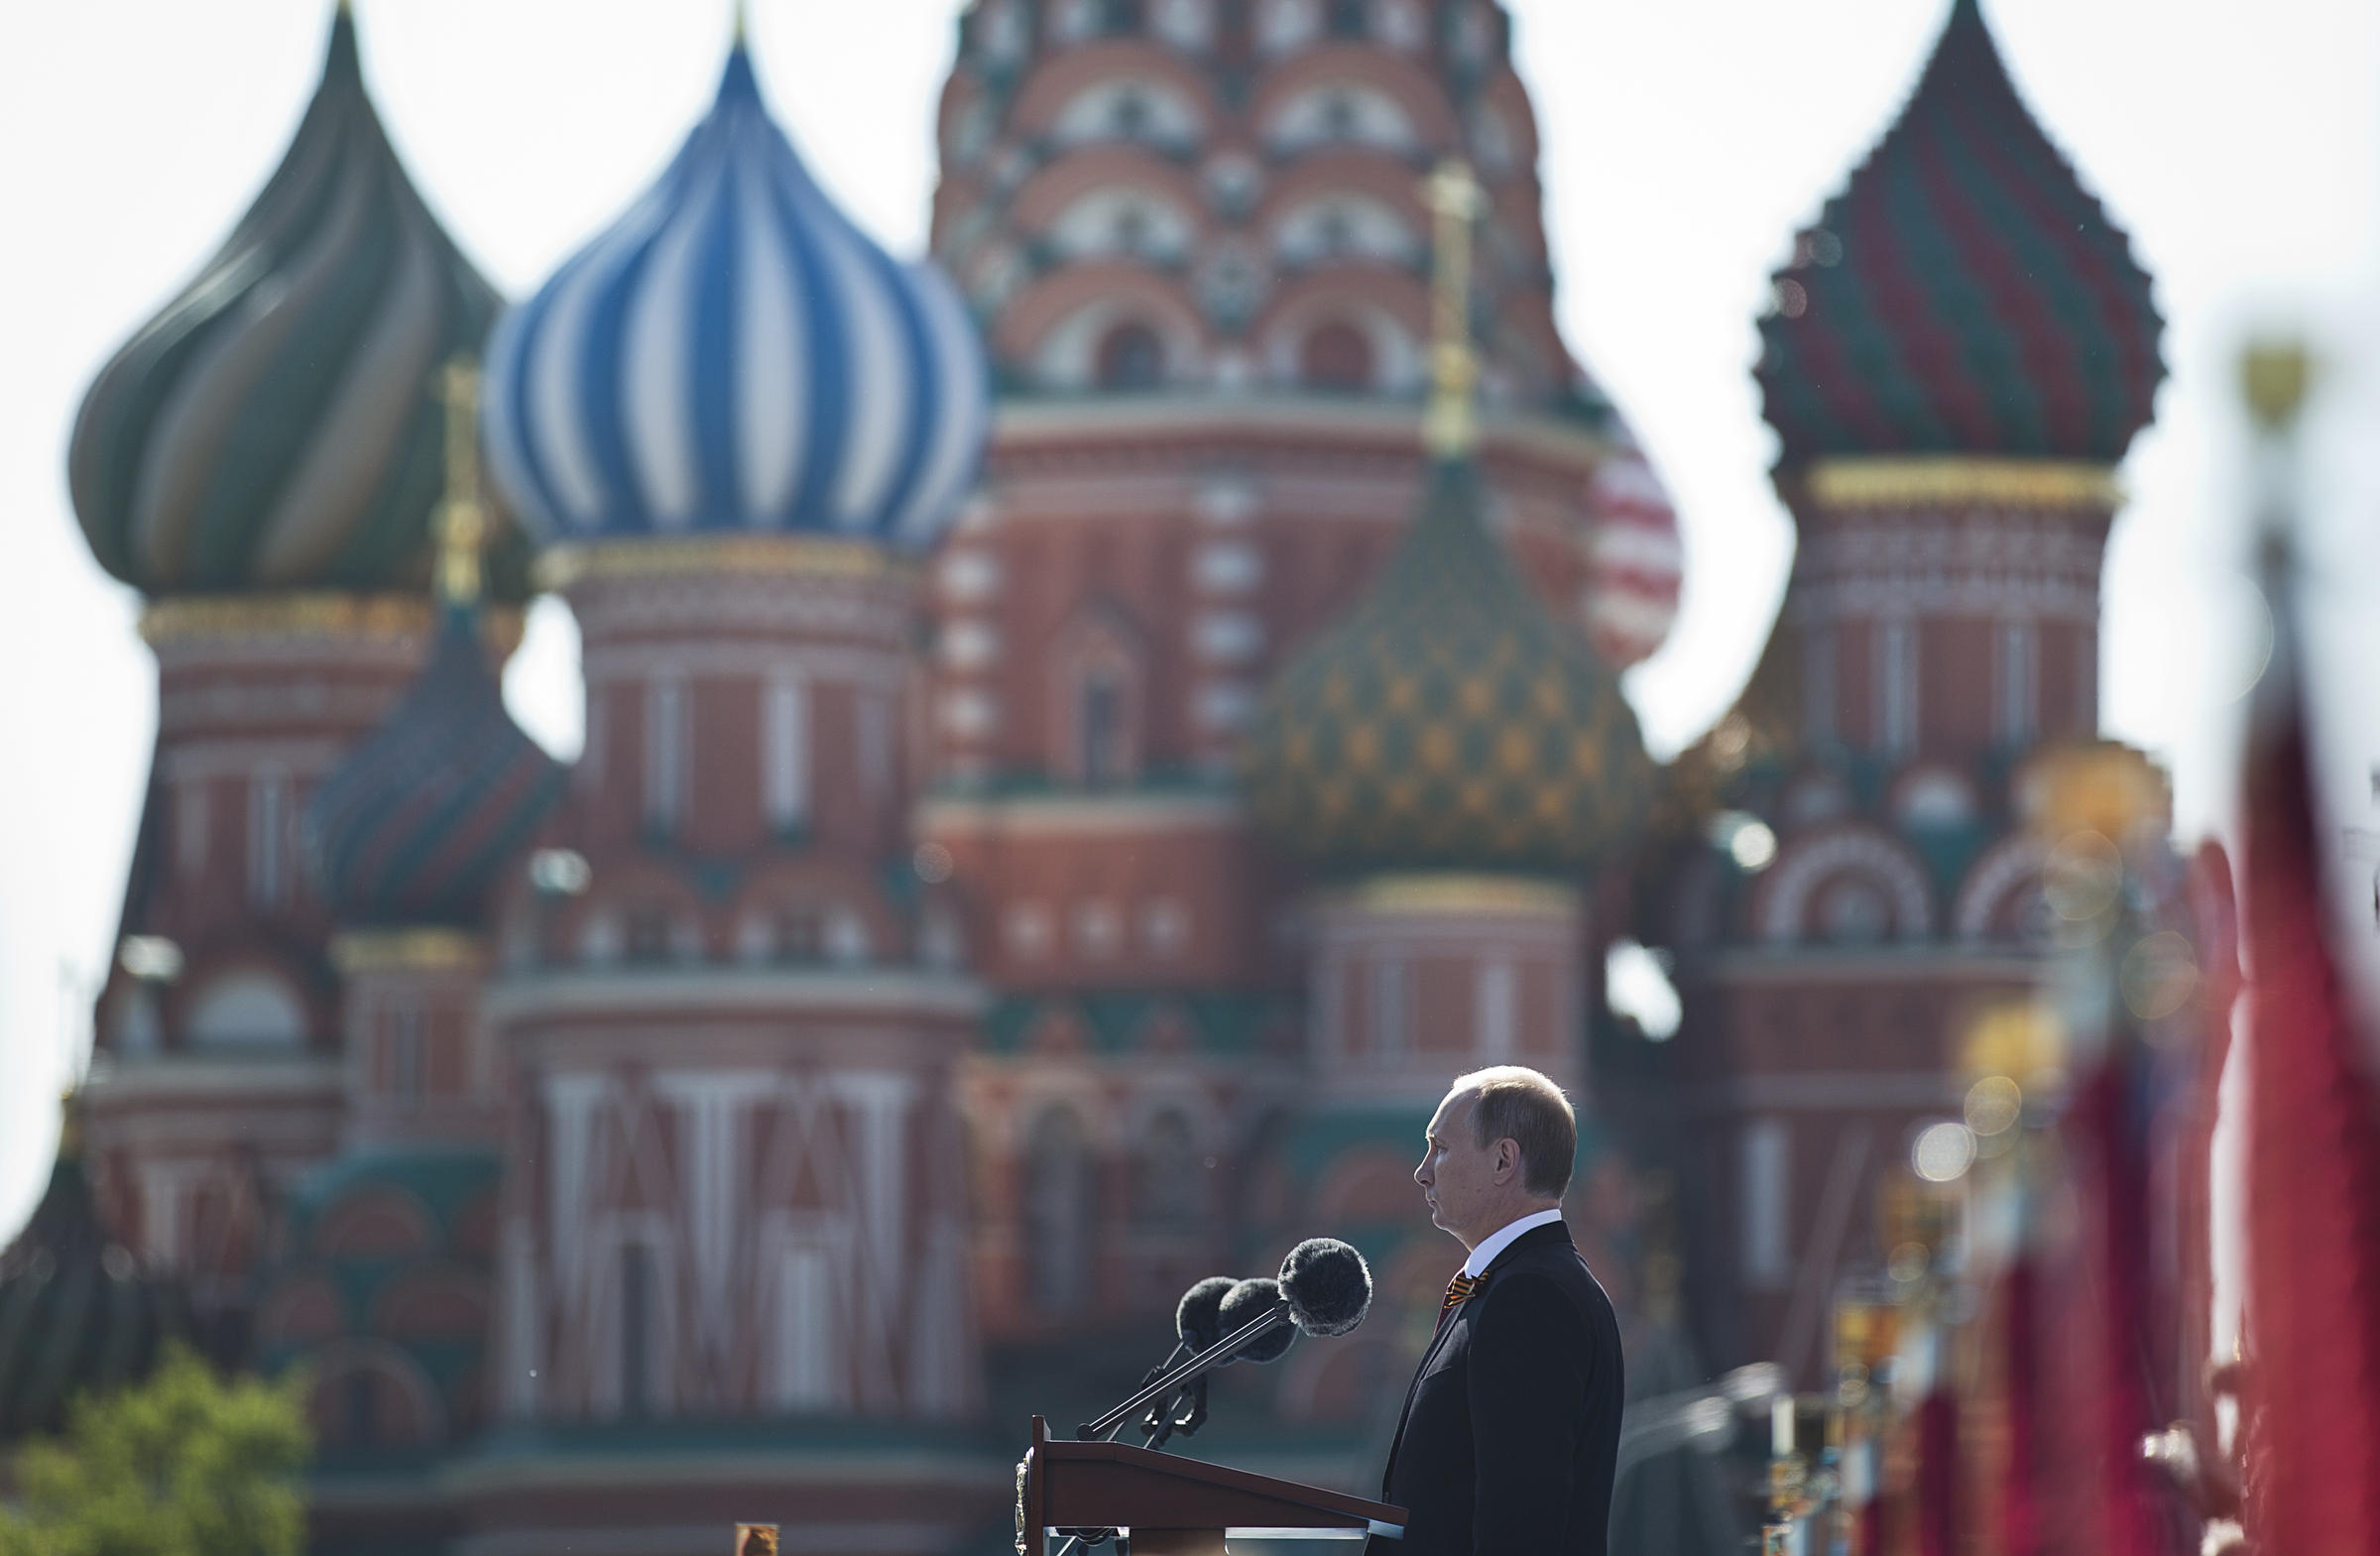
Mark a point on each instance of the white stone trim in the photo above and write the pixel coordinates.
(1808, 862)
(883, 669)
(730, 991)
(2004, 867)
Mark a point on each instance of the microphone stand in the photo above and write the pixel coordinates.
(1175, 1377)
(1183, 1375)
(1157, 1428)
(1082, 1540)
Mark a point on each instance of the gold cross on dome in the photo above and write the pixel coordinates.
(1451, 429)
(462, 523)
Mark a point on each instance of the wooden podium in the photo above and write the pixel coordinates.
(1175, 1507)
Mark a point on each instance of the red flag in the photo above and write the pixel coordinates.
(2109, 1161)
(2312, 1162)
(2020, 1501)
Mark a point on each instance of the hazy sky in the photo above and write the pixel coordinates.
(1684, 142)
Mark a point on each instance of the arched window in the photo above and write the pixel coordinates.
(1104, 751)
(845, 939)
(795, 933)
(1169, 1186)
(1854, 912)
(1151, 112)
(366, 1403)
(247, 1009)
(1099, 731)
(1131, 229)
(1337, 359)
(360, 1408)
(668, 748)
(408, 1043)
(1057, 1214)
(784, 753)
(1130, 357)
(268, 813)
(1341, 112)
(648, 932)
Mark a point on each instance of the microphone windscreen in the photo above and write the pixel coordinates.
(1326, 1286)
(1250, 1300)
(1195, 1318)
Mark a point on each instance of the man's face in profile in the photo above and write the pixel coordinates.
(1456, 1176)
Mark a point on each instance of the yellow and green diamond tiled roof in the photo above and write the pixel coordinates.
(1446, 721)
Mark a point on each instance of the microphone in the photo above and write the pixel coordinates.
(1327, 1285)
(1196, 1321)
(1254, 1299)
(1323, 1288)
(1194, 1317)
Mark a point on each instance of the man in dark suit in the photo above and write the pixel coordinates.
(1511, 1428)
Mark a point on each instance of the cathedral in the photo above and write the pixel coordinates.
(1086, 732)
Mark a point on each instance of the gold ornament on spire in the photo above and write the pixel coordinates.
(1451, 429)
(70, 1126)
(463, 522)
(2273, 376)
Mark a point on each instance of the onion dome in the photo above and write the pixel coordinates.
(273, 426)
(412, 828)
(1446, 721)
(1964, 294)
(76, 1312)
(735, 356)
(1634, 558)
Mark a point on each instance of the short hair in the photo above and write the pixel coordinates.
(1513, 1102)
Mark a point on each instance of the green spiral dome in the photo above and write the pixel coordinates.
(276, 426)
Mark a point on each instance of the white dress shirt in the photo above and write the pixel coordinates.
(1500, 1239)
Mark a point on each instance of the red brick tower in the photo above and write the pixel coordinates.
(1957, 354)
(1197, 237)
(259, 461)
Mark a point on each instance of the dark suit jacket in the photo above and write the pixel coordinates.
(1511, 1427)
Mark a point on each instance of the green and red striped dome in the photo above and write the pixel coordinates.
(1964, 295)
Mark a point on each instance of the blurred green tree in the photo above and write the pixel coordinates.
(185, 1464)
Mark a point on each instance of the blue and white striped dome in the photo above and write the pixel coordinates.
(734, 356)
